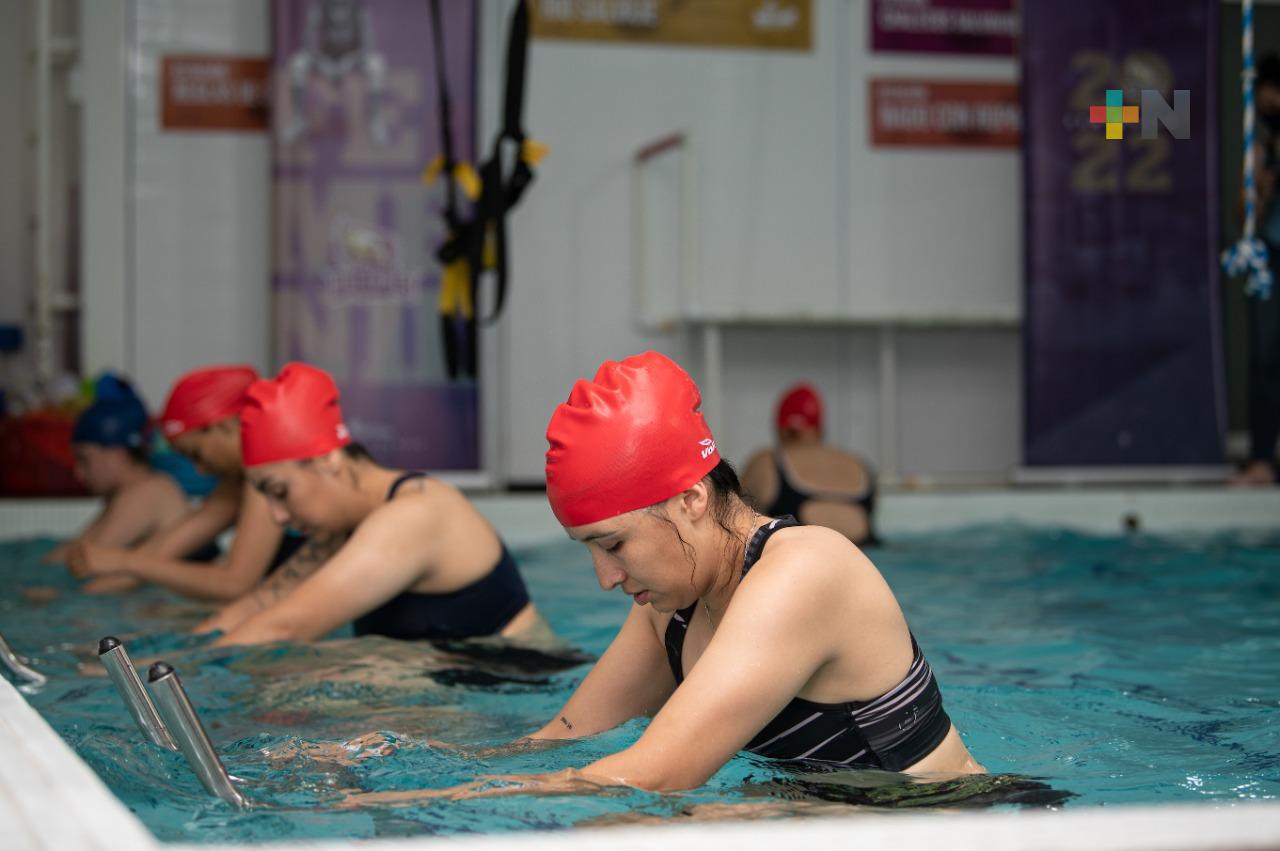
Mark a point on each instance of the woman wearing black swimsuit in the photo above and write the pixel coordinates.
(420, 563)
(804, 476)
(747, 633)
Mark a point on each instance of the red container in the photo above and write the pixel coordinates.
(35, 456)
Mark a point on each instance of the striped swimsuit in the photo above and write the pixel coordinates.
(892, 732)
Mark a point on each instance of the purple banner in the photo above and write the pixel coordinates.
(354, 274)
(945, 26)
(1122, 334)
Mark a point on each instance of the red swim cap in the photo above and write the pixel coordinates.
(631, 437)
(204, 396)
(800, 409)
(291, 417)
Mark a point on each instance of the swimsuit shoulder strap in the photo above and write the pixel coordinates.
(674, 640)
(678, 626)
(756, 545)
(401, 479)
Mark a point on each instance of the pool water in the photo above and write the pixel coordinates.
(1123, 670)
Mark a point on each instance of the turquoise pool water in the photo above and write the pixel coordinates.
(1124, 670)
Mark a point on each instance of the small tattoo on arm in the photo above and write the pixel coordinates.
(565, 721)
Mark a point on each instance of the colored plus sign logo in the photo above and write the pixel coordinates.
(1115, 114)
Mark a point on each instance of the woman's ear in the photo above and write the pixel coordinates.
(332, 461)
(695, 501)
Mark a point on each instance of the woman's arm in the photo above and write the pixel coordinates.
(388, 553)
(62, 552)
(200, 526)
(306, 561)
(132, 515)
(631, 678)
(257, 538)
(777, 633)
(782, 627)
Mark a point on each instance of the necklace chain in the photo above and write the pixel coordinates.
(706, 607)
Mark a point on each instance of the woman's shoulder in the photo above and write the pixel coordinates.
(157, 486)
(815, 555)
(425, 503)
(428, 494)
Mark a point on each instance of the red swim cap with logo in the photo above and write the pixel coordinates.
(204, 396)
(800, 409)
(291, 417)
(630, 438)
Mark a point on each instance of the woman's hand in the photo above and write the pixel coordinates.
(216, 622)
(57, 555)
(89, 560)
(112, 583)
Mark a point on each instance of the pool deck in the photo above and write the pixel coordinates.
(50, 799)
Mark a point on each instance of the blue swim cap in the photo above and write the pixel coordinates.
(112, 422)
(113, 388)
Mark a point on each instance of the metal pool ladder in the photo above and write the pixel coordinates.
(17, 667)
(170, 721)
(120, 668)
(184, 725)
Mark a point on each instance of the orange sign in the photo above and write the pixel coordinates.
(772, 24)
(214, 93)
(930, 113)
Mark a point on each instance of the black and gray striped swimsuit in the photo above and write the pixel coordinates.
(893, 731)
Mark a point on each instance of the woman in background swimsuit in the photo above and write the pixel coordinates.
(808, 478)
(420, 561)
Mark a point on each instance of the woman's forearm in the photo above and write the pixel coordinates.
(570, 781)
(206, 581)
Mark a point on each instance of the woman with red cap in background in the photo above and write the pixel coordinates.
(809, 479)
(201, 421)
(420, 561)
(748, 632)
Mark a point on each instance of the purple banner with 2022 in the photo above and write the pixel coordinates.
(354, 273)
(1122, 350)
(945, 26)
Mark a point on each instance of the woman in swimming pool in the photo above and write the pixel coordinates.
(808, 478)
(420, 562)
(109, 444)
(201, 421)
(748, 632)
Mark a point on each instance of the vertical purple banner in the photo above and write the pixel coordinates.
(945, 26)
(1122, 334)
(354, 274)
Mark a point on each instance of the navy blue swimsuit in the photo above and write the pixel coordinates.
(894, 731)
(482, 608)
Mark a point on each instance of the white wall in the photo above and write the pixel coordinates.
(179, 277)
(16, 161)
(794, 213)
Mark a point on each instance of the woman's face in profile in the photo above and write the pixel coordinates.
(641, 553)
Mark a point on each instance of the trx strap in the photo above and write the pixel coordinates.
(479, 241)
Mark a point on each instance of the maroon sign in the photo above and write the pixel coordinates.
(214, 93)
(945, 26)
(945, 114)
